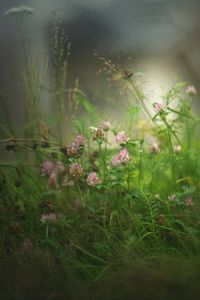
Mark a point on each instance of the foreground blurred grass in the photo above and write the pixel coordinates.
(41, 277)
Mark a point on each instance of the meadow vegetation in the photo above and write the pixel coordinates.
(113, 211)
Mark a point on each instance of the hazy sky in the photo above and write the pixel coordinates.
(132, 24)
(163, 34)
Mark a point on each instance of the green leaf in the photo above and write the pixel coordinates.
(84, 101)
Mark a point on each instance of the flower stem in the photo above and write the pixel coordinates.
(140, 162)
(47, 231)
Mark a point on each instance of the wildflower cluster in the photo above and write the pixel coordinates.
(122, 192)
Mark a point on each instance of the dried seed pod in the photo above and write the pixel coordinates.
(160, 220)
(2, 209)
(2, 183)
(11, 146)
(14, 227)
(54, 155)
(63, 149)
(34, 145)
(45, 144)
(127, 74)
(50, 206)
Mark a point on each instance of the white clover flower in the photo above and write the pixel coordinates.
(177, 149)
(93, 129)
(154, 148)
(106, 125)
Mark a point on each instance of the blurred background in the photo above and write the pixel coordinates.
(158, 37)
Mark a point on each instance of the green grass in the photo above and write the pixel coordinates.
(128, 219)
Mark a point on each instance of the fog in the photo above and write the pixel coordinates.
(162, 38)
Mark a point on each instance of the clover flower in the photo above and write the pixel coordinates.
(49, 217)
(93, 179)
(93, 129)
(157, 196)
(57, 171)
(47, 167)
(54, 171)
(177, 149)
(160, 220)
(53, 180)
(172, 197)
(189, 202)
(154, 148)
(76, 148)
(80, 141)
(122, 158)
(158, 107)
(99, 134)
(191, 90)
(75, 170)
(26, 246)
(106, 125)
(67, 182)
(73, 151)
(121, 138)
